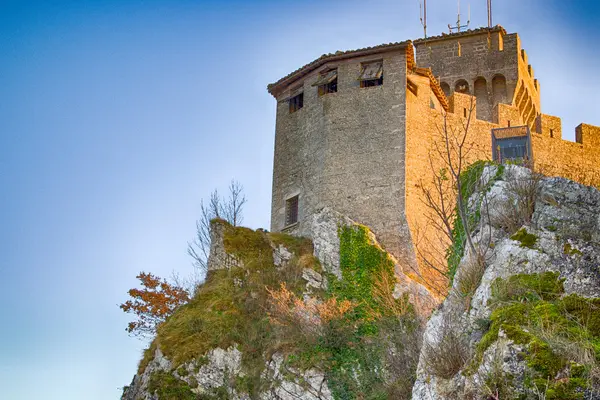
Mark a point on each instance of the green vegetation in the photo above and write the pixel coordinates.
(354, 351)
(469, 180)
(527, 240)
(168, 387)
(571, 251)
(233, 307)
(561, 333)
(230, 307)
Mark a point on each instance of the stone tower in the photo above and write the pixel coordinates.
(353, 129)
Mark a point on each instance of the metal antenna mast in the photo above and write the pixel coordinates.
(423, 15)
(458, 26)
(489, 9)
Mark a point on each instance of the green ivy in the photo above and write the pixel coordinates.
(469, 180)
(354, 353)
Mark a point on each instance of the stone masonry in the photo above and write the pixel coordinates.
(362, 151)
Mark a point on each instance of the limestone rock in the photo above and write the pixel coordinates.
(566, 228)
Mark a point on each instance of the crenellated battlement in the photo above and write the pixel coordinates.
(588, 135)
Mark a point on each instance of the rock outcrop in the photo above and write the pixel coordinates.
(536, 289)
(337, 317)
(305, 351)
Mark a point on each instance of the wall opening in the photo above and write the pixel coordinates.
(461, 86)
(371, 74)
(511, 144)
(327, 82)
(499, 89)
(291, 211)
(483, 103)
(446, 88)
(296, 102)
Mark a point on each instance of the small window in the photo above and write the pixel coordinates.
(431, 103)
(296, 102)
(327, 82)
(371, 74)
(551, 133)
(291, 211)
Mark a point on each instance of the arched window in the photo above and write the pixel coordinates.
(483, 103)
(461, 86)
(446, 88)
(499, 89)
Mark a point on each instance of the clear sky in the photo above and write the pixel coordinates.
(118, 117)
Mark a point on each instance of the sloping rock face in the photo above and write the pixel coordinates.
(337, 340)
(521, 320)
(324, 227)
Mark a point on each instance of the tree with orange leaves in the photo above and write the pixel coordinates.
(152, 304)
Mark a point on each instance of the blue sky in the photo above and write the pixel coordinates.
(118, 117)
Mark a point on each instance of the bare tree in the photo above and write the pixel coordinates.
(445, 193)
(230, 208)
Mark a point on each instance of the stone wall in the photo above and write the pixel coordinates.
(492, 64)
(345, 150)
(551, 154)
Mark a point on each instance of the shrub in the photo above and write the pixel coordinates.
(522, 190)
(448, 353)
(470, 277)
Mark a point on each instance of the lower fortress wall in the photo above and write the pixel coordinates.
(579, 161)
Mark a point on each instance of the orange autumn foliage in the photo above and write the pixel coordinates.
(153, 304)
(308, 314)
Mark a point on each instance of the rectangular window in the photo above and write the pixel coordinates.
(291, 211)
(371, 74)
(512, 144)
(296, 102)
(327, 82)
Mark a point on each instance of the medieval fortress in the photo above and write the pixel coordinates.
(353, 128)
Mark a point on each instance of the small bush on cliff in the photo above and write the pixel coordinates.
(152, 304)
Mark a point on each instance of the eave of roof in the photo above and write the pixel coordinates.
(341, 55)
(469, 32)
(435, 86)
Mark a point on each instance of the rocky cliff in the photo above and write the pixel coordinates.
(281, 317)
(522, 320)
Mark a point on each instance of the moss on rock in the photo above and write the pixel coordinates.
(532, 311)
(527, 240)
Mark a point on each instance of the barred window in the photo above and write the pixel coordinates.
(291, 210)
(296, 102)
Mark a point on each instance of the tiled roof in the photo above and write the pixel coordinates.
(435, 86)
(338, 55)
(468, 32)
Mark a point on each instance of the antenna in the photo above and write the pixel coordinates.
(458, 26)
(423, 16)
(489, 9)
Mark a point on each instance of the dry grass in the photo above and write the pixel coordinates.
(304, 316)
(522, 191)
(469, 278)
(448, 354)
